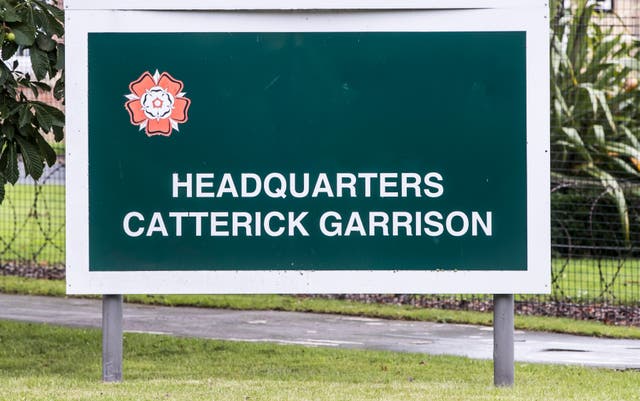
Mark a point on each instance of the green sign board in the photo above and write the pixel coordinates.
(260, 153)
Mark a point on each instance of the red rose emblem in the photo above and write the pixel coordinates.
(157, 104)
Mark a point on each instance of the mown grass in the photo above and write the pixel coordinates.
(41, 362)
(20, 285)
(607, 279)
(32, 224)
(58, 147)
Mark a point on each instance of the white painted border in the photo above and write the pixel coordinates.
(531, 19)
(297, 4)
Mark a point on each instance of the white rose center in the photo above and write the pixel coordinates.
(157, 103)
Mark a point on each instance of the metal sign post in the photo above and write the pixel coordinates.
(112, 338)
(503, 366)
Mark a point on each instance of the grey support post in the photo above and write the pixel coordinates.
(503, 365)
(112, 338)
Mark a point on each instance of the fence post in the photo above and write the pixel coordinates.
(503, 356)
(112, 338)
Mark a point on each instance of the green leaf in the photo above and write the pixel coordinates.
(9, 14)
(607, 112)
(561, 100)
(44, 120)
(46, 150)
(25, 33)
(31, 157)
(58, 133)
(623, 149)
(45, 43)
(9, 163)
(5, 73)
(42, 86)
(577, 143)
(630, 137)
(573, 136)
(613, 189)
(54, 11)
(9, 49)
(558, 57)
(3, 183)
(25, 116)
(577, 43)
(593, 97)
(39, 63)
(58, 88)
(8, 131)
(49, 113)
(59, 57)
(599, 133)
(557, 106)
(622, 164)
(54, 25)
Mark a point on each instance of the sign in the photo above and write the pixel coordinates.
(218, 148)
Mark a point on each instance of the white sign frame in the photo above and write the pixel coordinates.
(84, 16)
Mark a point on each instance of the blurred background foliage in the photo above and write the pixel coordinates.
(594, 108)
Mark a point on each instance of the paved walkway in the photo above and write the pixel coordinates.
(327, 331)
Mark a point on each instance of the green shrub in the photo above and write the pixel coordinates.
(594, 94)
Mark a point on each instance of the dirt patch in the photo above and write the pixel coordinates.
(621, 315)
(32, 270)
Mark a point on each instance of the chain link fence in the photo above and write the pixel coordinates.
(32, 225)
(595, 182)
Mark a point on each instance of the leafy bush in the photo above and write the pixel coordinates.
(594, 96)
(37, 27)
(582, 225)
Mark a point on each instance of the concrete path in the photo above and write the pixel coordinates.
(327, 331)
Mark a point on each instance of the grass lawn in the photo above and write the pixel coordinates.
(585, 279)
(32, 224)
(40, 362)
(58, 147)
(20, 285)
